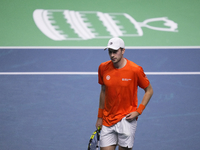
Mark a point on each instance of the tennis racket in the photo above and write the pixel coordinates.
(94, 140)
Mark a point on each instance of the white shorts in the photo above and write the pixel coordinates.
(122, 133)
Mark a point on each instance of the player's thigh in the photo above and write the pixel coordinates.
(112, 147)
(124, 148)
(108, 137)
(126, 135)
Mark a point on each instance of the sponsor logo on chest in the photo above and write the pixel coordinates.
(126, 79)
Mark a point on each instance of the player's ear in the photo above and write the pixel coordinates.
(123, 50)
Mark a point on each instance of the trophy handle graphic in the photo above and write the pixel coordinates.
(168, 23)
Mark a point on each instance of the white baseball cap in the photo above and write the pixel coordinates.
(115, 43)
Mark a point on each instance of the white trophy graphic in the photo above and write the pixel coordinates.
(62, 25)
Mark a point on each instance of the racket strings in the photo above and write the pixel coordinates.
(94, 141)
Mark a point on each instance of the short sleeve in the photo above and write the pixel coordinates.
(143, 81)
(100, 75)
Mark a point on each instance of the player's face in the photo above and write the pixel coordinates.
(116, 55)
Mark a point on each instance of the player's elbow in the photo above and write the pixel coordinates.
(149, 90)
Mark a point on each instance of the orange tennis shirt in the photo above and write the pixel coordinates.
(121, 87)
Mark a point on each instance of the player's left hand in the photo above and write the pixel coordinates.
(132, 116)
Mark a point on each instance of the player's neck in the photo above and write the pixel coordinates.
(121, 63)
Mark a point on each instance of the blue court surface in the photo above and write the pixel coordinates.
(55, 111)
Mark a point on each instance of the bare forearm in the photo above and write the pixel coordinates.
(147, 96)
(101, 107)
(102, 97)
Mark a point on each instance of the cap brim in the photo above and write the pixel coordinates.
(114, 48)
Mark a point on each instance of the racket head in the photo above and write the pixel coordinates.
(94, 140)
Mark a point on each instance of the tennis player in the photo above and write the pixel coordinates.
(118, 104)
